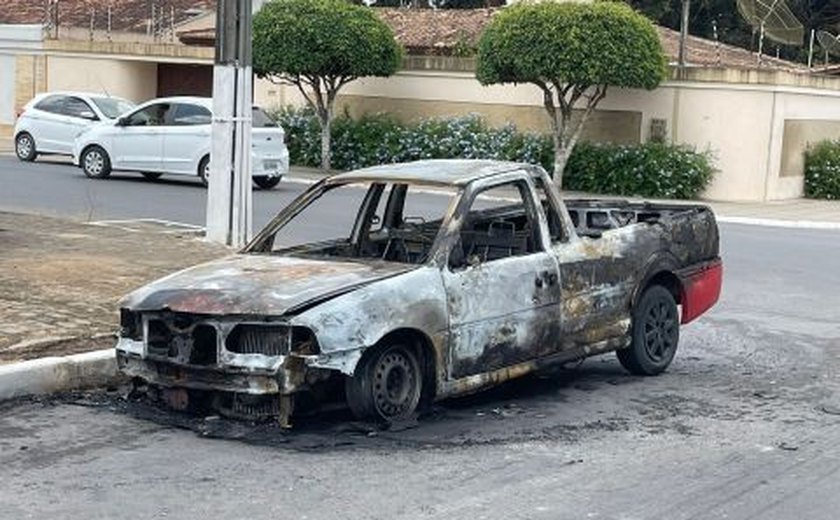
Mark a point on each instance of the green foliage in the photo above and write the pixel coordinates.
(822, 170)
(326, 38)
(652, 170)
(648, 170)
(379, 138)
(586, 44)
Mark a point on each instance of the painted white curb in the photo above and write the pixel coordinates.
(56, 374)
(770, 222)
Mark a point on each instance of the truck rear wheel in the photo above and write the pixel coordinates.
(656, 333)
(387, 384)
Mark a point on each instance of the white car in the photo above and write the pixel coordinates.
(50, 122)
(172, 136)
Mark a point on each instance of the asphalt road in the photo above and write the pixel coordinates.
(52, 186)
(744, 425)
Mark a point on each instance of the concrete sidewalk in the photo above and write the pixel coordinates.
(61, 280)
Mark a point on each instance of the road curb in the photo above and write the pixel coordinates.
(769, 222)
(58, 374)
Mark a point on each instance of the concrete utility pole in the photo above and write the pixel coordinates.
(686, 5)
(229, 212)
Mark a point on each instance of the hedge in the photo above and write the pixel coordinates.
(822, 170)
(649, 170)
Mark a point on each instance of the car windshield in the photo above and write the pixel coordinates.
(394, 222)
(260, 119)
(112, 107)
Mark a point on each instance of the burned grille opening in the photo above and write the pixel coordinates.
(203, 350)
(178, 339)
(130, 325)
(270, 340)
(159, 339)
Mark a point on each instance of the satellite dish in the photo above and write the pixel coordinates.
(829, 42)
(773, 19)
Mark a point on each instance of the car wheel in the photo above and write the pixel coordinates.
(25, 147)
(387, 384)
(151, 176)
(204, 169)
(656, 333)
(266, 183)
(95, 163)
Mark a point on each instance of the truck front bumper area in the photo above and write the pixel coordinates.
(239, 393)
(167, 374)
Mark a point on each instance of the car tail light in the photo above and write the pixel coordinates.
(701, 290)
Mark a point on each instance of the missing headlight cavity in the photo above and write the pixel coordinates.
(269, 340)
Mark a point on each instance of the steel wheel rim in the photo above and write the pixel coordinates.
(206, 171)
(660, 328)
(24, 146)
(94, 162)
(394, 384)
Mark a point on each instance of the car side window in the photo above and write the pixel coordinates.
(75, 107)
(555, 224)
(152, 115)
(499, 224)
(52, 104)
(188, 114)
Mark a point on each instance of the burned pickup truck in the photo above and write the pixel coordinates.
(410, 283)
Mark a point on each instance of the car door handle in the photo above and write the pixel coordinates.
(546, 278)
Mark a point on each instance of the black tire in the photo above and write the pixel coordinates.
(656, 333)
(387, 384)
(25, 147)
(204, 169)
(266, 183)
(95, 162)
(151, 176)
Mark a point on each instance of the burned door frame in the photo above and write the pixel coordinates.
(485, 334)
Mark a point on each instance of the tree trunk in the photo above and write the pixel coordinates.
(559, 159)
(326, 125)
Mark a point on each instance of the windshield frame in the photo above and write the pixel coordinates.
(97, 99)
(262, 243)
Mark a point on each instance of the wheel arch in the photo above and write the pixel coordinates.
(88, 146)
(425, 350)
(660, 270)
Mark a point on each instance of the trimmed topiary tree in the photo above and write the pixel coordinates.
(319, 46)
(572, 52)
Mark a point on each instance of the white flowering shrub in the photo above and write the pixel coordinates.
(648, 170)
(380, 139)
(822, 170)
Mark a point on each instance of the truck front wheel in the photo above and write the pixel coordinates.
(386, 385)
(656, 332)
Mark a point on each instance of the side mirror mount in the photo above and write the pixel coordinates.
(87, 114)
(122, 121)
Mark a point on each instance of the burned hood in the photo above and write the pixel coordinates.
(257, 284)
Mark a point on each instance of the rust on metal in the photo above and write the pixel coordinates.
(486, 296)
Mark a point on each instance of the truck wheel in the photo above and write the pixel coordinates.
(387, 384)
(656, 332)
(25, 147)
(95, 163)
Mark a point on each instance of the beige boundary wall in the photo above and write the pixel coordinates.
(756, 124)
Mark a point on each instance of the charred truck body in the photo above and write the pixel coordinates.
(440, 278)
